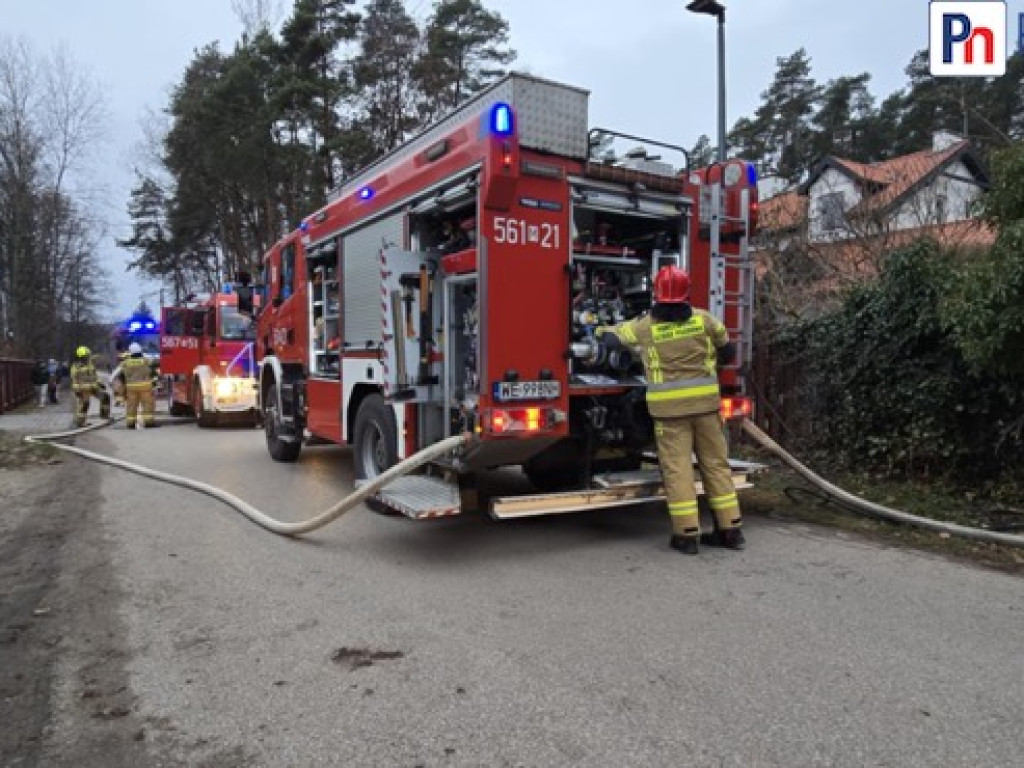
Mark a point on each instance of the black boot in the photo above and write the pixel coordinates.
(685, 544)
(730, 538)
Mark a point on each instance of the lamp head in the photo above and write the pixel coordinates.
(710, 7)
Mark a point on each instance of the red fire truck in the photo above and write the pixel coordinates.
(207, 354)
(456, 286)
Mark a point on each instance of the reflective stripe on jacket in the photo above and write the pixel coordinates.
(137, 375)
(680, 361)
(83, 377)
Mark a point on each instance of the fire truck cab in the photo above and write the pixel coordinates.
(207, 354)
(456, 286)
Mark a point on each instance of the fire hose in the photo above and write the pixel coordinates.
(437, 450)
(281, 527)
(856, 503)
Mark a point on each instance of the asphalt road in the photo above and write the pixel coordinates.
(574, 640)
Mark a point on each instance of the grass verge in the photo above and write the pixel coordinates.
(781, 494)
(15, 453)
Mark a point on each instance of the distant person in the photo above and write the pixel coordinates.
(41, 381)
(138, 377)
(53, 373)
(86, 385)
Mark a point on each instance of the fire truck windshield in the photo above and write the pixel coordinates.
(235, 326)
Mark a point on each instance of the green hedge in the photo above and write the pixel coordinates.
(887, 382)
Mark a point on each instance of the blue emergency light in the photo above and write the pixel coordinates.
(501, 119)
(365, 193)
(752, 174)
(134, 325)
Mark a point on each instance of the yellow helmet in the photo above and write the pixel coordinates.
(82, 351)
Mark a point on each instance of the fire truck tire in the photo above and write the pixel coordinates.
(375, 438)
(178, 409)
(174, 407)
(204, 418)
(279, 449)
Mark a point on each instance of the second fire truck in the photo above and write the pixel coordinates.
(456, 286)
(207, 354)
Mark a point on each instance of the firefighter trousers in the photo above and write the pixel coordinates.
(136, 400)
(82, 399)
(679, 439)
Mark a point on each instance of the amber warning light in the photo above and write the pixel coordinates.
(735, 408)
(509, 420)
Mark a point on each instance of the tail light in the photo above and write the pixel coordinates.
(735, 408)
(504, 421)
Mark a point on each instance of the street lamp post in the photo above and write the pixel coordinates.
(716, 9)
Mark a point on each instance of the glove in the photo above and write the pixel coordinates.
(608, 339)
(726, 354)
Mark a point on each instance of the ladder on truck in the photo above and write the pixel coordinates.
(739, 297)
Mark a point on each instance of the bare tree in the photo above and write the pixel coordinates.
(52, 118)
(258, 16)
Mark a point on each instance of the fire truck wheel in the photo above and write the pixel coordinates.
(178, 409)
(280, 450)
(174, 407)
(204, 418)
(375, 438)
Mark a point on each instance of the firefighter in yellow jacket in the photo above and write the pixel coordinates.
(138, 378)
(86, 385)
(681, 349)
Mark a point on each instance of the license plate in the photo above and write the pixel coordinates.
(527, 390)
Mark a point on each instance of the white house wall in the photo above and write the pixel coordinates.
(919, 209)
(829, 182)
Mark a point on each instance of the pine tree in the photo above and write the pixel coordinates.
(879, 134)
(317, 80)
(845, 108)
(749, 139)
(388, 49)
(998, 119)
(785, 115)
(466, 49)
(702, 154)
(150, 240)
(934, 104)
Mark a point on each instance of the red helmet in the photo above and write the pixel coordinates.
(671, 286)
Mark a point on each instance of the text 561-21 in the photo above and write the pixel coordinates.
(513, 231)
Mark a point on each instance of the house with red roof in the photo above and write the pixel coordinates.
(933, 193)
(833, 230)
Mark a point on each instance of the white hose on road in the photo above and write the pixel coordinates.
(299, 528)
(877, 510)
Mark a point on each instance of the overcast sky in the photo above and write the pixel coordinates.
(649, 64)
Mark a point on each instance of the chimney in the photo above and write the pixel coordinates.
(943, 140)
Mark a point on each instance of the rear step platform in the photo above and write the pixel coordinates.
(421, 497)
(652, 477)
(614, 489)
